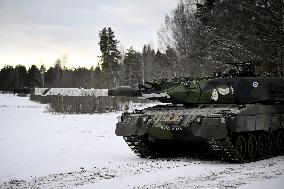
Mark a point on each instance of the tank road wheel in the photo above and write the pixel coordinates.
(261, 146)
(280, 142)
(240, 146)
(251, 147)
(270, 144)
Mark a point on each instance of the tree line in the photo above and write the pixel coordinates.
(133, 68)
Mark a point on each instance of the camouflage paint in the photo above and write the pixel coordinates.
(228, 90)
(201, 123)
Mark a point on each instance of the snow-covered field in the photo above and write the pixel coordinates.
(43, 150)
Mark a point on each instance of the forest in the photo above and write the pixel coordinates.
(197, 38)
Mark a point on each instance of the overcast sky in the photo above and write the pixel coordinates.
(39, 31)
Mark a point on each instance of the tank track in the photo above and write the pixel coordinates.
(140, 147)
(224, 149)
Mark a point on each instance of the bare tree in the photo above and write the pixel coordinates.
(226, 31)
(179, 33)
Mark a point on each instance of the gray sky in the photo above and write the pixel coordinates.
(39, 31)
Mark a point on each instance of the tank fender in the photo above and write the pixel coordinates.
(130, 125)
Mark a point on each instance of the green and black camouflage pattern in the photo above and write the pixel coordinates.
(238, 117)
(207, 122)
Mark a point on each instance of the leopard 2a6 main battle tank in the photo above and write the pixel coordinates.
(237, 116)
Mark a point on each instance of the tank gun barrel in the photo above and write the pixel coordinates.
(70, 92)
(118, 91)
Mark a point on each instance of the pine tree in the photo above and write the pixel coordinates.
(53, 75)
(132, 67)
(6, 79)
(34, 77)
(108, 46)
(110, 56)
(21, 77)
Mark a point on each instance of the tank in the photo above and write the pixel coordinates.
(236, 116)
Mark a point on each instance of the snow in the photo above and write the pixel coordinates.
(36, 143)
(43, 150)
(271, 184)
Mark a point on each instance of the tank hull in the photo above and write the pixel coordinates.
(234, 133)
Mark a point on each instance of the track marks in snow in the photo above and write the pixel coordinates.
(224, 176)
(160, 173)
(88, 176)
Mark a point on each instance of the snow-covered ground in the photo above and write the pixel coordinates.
(43, 150)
